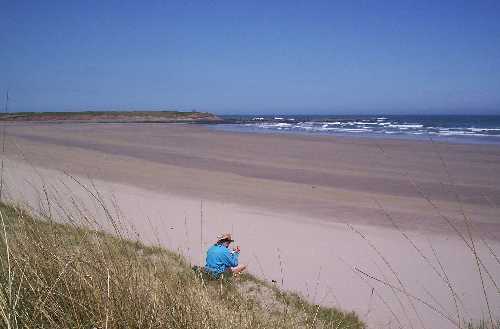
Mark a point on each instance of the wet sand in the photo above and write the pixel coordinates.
(290, 198)
(332, 179)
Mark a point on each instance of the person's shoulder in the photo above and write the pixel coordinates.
(217, 247)
(220, 248)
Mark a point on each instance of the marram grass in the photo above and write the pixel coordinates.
(67, 276)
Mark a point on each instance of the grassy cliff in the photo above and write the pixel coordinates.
(111, 116)
(67, 276)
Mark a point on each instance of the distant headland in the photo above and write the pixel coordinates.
(113, 116)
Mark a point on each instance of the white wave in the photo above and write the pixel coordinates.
(321, 124)
(406, 126)
(327, 128)
(353, 130)
(456, 133)
(483, 129)
(366, 123)
(370, 127)
(283, 125)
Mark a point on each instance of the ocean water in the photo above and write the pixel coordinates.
(452, 128)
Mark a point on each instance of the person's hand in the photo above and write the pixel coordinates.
(236, 249)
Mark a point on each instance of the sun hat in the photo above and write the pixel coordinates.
(225, 237)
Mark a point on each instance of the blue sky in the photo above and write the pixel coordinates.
(252, 56)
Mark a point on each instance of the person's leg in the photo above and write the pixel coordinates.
(238, 269)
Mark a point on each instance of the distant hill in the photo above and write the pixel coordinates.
(112, 116)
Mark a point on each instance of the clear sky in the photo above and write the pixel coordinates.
(252, 56)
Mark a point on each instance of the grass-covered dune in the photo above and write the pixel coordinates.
(112, 116)
(68, 276)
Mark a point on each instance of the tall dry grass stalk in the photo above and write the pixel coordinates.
(468, 225)
(4, 134)
(201, 233)
(441, 274)
(393, 271)
(469, 241)
(60, 275)
(374, 291)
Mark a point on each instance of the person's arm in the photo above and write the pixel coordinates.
(232, 258)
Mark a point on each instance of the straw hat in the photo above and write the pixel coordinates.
(225, 237)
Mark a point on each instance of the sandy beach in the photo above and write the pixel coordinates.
(306, 210)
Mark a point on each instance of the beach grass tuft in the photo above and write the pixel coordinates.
(56, 275)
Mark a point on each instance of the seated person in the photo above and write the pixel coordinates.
(221, 259)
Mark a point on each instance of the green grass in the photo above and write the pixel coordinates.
(67, 276)
(106, 115)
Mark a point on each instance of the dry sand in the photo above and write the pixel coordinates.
(289, 200)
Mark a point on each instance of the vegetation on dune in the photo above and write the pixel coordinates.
(67, 276)
(139, 116)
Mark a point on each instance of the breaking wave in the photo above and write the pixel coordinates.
(485, 127)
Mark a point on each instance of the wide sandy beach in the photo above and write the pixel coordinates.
(307, 211)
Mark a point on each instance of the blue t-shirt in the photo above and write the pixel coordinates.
(220, 259)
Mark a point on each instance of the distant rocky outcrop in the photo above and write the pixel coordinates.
(113, 116)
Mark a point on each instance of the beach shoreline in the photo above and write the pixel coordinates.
(331, 179)
(460, 129)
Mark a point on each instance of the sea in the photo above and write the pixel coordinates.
(482, 129)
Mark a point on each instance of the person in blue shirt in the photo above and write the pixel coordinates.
(221, 259)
